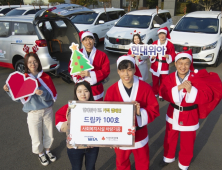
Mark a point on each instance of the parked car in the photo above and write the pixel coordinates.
(44, 30)
(147, 22)
(27, 10)
(99, 22)
(200, 31)
(6, 8)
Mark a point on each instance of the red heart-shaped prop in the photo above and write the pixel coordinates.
(20, 86)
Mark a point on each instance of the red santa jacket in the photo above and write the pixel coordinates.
(60, 117)
(158, 68)
(100, 72)
(205, 92)
(143, 94)
(44, 80)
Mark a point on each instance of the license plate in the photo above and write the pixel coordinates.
(119, 46)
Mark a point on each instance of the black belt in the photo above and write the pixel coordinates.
(181, 108)
(138, 128)
(96, 84)
(162, 61)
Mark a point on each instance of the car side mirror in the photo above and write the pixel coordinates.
(172, 26)
(101, 22)
(1, 15)
(156, 26)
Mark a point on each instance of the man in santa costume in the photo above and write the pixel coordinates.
(100, 62)
(192, 95)
(160, 63)
(129, 88)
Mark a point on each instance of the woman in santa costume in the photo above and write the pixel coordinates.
(160, 63)
(129, 88)
(192, 95)
(82, 92)
(100, 62)
(39, 107)
(141, 61)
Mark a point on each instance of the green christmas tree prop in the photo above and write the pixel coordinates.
(78, 61)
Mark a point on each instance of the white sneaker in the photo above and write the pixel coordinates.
(43, 160)
(52, 158)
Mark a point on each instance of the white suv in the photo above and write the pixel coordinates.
(200, 31)
(147, 22)
(26, 10)
(99, 22)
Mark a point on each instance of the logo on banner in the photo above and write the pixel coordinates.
(91, 138)
(103, 138)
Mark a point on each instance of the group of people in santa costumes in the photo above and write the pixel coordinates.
(192, 95)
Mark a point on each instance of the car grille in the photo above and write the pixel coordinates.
(116, 49)
(119, 41)
(179, 48)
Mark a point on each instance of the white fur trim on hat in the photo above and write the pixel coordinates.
(125, 58)
(181, 55)
(162, 30)
(85, 34)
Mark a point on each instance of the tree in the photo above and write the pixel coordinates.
(207, 4)
(84, 2)
(11, 2)
(56, 1)
(106, 3)
(152, 3)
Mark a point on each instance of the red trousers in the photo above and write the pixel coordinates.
(187, 139)
(157, 82)
(141, 157)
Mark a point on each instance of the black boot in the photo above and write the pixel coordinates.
(162, 163)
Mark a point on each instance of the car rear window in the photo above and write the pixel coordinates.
(84, 18)
(20, 28)
(134, 21)
(198, 25)
(15, 12)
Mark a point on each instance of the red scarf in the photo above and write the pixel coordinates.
(45, 80)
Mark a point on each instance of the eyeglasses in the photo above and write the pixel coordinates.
(34, 62)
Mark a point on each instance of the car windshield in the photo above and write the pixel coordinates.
(15, 12)
(84, 19)
(198, 25)
(134, 21)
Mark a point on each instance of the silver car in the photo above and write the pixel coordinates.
(52, 33)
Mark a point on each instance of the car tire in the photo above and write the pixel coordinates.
(217, 60)
(150, 42)
(96, 40)
(20, 66)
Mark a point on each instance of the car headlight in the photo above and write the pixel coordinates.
(143, 37)
(209, 47)
(106, 37)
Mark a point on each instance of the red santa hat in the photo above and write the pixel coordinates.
(84, 34)
(187, 54)
(164, 30)
(130, 58)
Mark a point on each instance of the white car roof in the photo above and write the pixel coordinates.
(32, 7)
(6, 6)
(146, 12)
(98, 10)
(204, 14)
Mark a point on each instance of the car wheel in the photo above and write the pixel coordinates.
(150, 42)
(96, 40)
(217, 60)
(20, 66)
